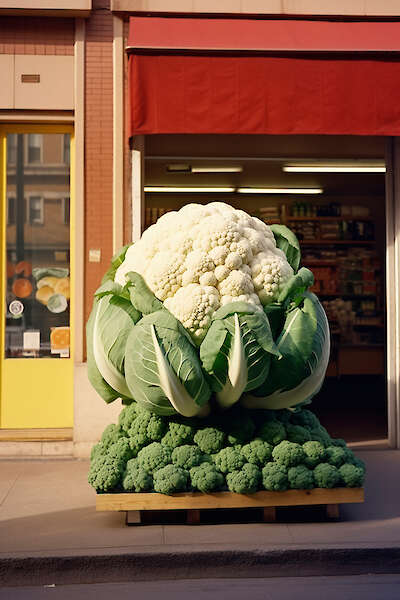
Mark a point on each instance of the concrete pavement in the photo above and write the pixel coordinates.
(50, 532)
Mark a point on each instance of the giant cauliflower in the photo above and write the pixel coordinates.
(202, 257)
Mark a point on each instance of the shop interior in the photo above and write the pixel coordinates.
(330, 190)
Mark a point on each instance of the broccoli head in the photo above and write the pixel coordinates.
(336, 455)
(357, 462)
(106, 469)
(210, 440)
(319, 434)
(257, 452)
(136, 479)
(170, 479)
(154, 457)
(351, 475)
(245, 481)
(127, 416)
(326, 476)
(300, 478)
(305, 418)
(206, 478)
(275, 477)
(187, 456)
(111, 434)
(315, 453)
(272, 432)
(297, 434)
(145, 428)
(338, 442)
(289, 454)
(229, 459)
(239, 427)
(284, 415)
(178, 434)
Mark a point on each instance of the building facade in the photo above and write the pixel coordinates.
(102, 98)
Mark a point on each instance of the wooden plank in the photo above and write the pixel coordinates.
(197, 500)
(36, 435)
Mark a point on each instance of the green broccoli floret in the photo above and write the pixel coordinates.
(239, 427)
(326, 476)
(275, 477)
(297, 434)
(300, 478)
(319, 434)
(352, 476)
(272, 432)
(257, 452)
(357, 462)
(127, 416)
(178, 434)
(111, 434)
(336, 455)
(206, 478)
(338, 442)
(170, 479)
(106, 469)
(145, 428)
(187, 456)
(210, 440)
(315, 453)
(229, 459)
(289, 454)
(284, 415)
(245, 481)
(154, 457)
(305, 418)
(135, 478)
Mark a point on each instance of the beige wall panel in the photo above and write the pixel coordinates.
(56, 88)
(384, 7)
(222, 6)
(7, 81)
(261, 6)
(316, 7)
(46, 4)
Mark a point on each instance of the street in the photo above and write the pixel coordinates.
(362, 587)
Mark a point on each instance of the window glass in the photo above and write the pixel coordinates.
(38, 247)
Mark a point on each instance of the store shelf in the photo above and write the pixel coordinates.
(339, 218)
(337, 242)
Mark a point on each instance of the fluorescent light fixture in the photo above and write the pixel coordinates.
(336, 167)
(189, 190)
(217, 169)
(254, 190)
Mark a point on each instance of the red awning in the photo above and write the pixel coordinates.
(258, 94)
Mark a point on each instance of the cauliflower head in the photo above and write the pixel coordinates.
(204, 256)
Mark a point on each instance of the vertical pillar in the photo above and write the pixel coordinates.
(137, 187)
(392, 286)
(118, 132)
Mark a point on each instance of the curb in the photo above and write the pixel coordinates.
(63, 570)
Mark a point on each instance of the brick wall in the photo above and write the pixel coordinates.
(35, 35)
(98, 144)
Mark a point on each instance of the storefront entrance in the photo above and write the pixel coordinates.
(37, 258)
(330, 190)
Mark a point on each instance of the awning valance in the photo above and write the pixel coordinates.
(255, 93)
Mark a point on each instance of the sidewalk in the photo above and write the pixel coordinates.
(50, 532)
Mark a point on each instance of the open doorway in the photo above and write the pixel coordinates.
(337, 212)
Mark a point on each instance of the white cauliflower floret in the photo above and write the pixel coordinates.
(194, 306)
(204, 256)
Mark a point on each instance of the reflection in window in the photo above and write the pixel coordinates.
(36, 210)
(34, 148)
(38, 247)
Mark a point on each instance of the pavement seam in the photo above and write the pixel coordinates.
(10, 489)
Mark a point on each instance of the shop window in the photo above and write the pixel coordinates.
(10, 210)
(66, 149)
(36, 210)
(12, 148)
(35, 147)
(66, 210)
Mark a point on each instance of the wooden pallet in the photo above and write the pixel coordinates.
(194, 502)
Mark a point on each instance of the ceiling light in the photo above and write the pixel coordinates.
(337, 167)
(217, 169)
(253, 190)
(189, 190)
